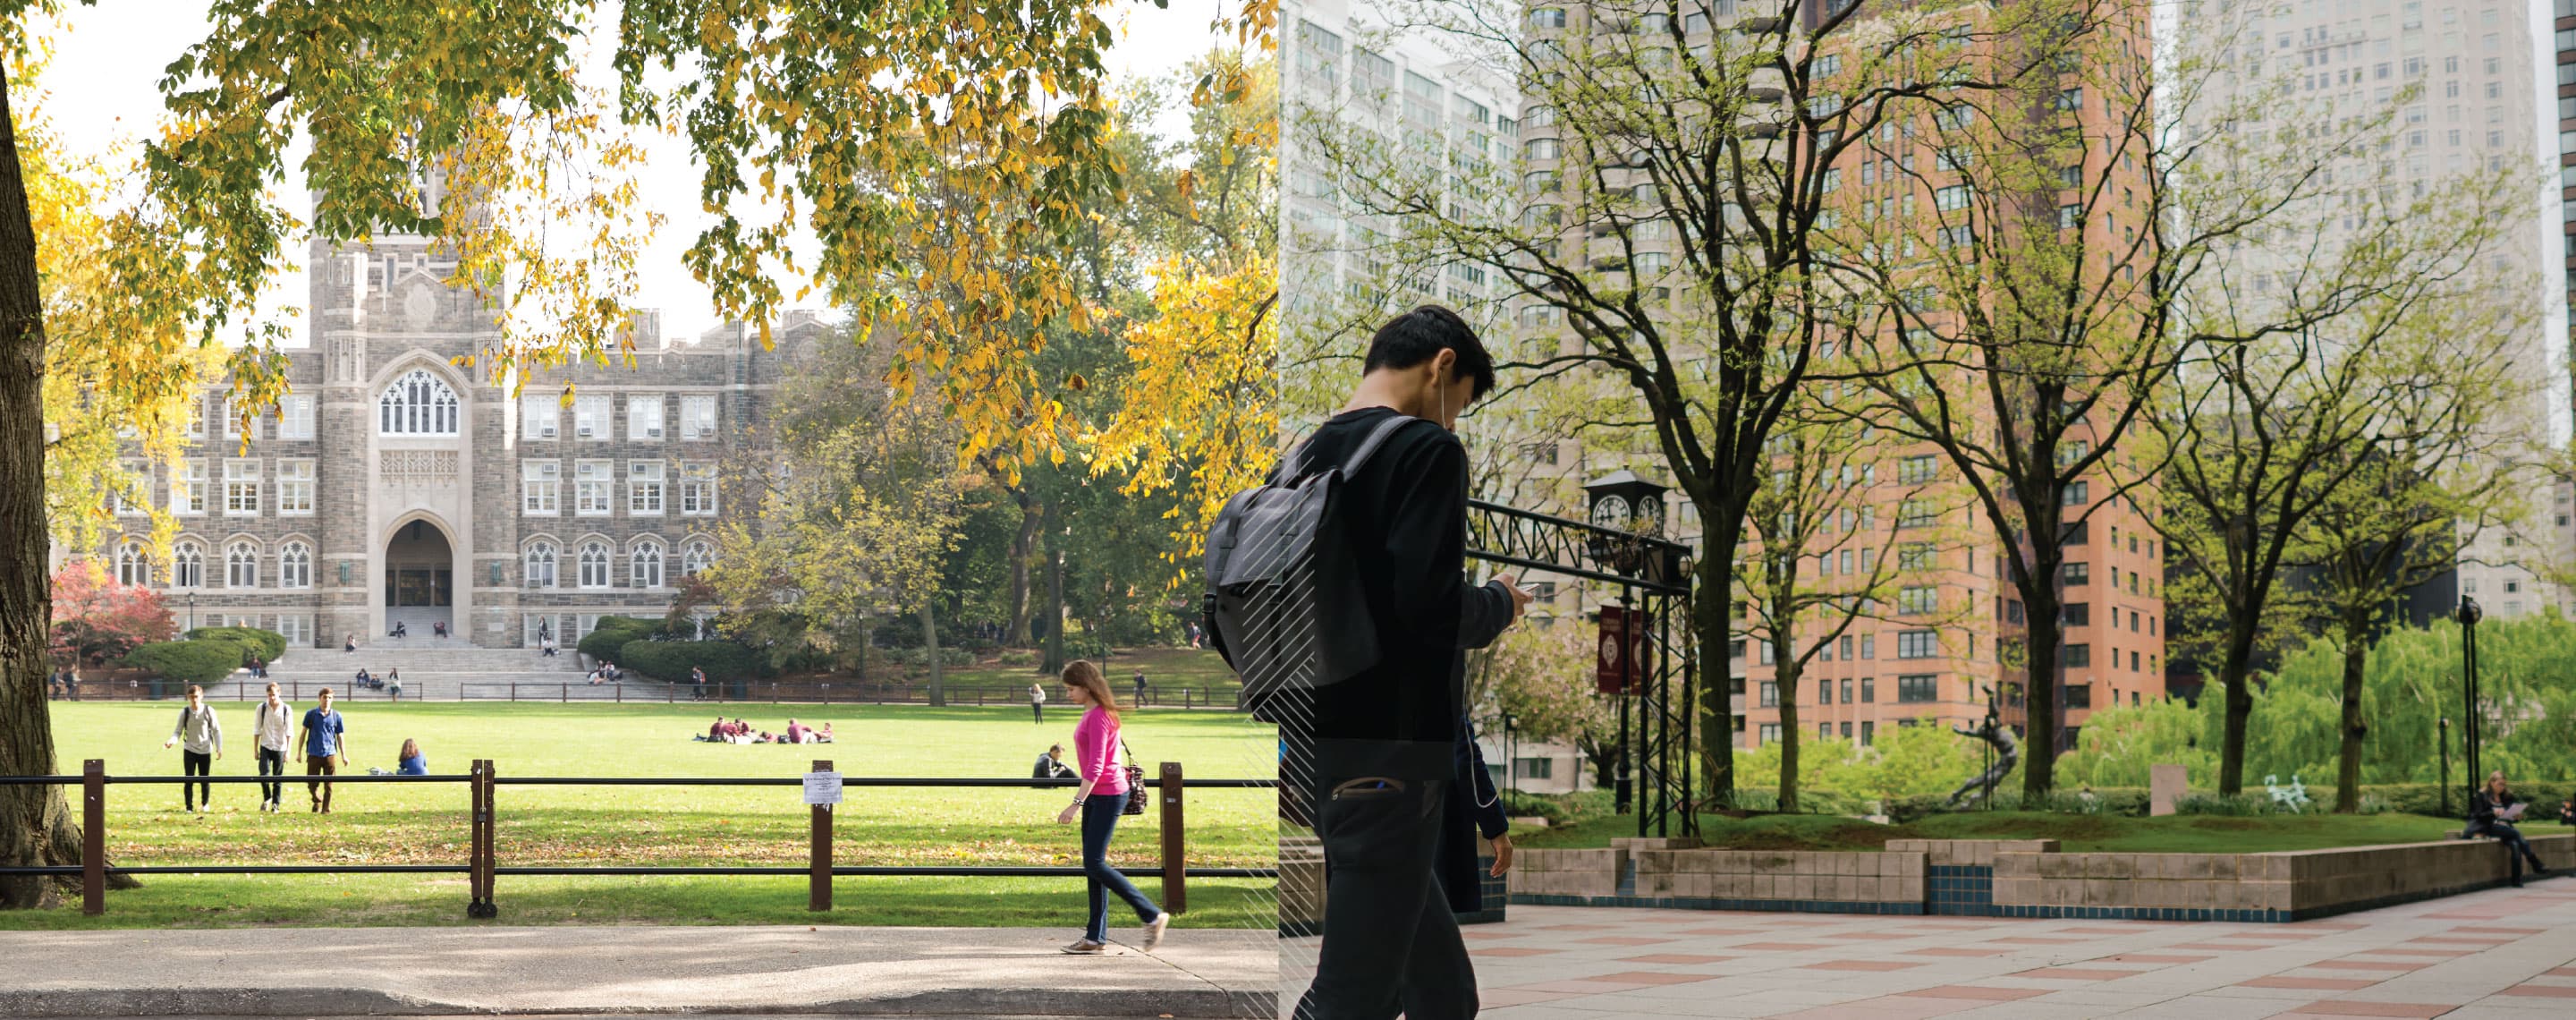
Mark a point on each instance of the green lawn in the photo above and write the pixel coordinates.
(426, 823)
(2075, 833)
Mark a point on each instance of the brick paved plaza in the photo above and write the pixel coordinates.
(2505, 953)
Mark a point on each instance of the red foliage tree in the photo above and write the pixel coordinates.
(97, 619)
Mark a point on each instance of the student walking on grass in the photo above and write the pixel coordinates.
(1099, 802)
(273, 723)
(203, 742)
(325, 738)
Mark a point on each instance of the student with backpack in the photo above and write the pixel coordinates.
(1338, 591)
(1102, 798)
(202, 740)
(273, 724)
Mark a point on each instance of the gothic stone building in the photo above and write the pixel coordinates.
(393, 486)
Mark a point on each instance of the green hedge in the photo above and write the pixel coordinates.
(189, 662)
(671, 660)
(605, 640)
(267, 644)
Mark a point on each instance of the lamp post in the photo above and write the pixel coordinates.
(2442, 740)
(2468, 615)
(192, 610)
(1621, 504)
(1511, 757)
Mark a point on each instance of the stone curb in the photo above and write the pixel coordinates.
(1196, 1004)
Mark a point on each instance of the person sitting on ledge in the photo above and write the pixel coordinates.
(2491, 813)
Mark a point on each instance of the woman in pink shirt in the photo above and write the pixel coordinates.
(1103, 794)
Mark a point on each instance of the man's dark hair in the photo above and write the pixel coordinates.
(1421, 334)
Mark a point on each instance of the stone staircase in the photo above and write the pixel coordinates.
(445, 670)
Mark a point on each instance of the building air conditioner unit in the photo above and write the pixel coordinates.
(583, 432)
(653, 433)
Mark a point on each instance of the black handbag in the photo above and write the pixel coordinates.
(1135, 780)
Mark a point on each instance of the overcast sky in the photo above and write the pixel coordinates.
(101, 93)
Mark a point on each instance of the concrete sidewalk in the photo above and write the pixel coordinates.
(309, 972)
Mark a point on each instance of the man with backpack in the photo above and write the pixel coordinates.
(274, 724)
(201, 741)
(1338, 590)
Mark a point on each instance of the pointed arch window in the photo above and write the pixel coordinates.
(241, 566)
(696, 557)
(295, 566)
(644, 567)
(417, 404)
(187, 566)
(594, 565)
(132, 565)
(541, 565)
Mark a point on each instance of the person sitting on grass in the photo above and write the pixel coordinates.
(411, 762)
(717, 731)
(797, 732)
(2567, 811)
(824, 737)
(1051, 765)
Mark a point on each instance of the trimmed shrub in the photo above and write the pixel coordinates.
(189, 662)
(671, 661)
(606, 640)
(267, 644)
(2110, 800)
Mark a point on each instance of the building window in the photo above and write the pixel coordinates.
(2079, 695)
(1824, 692)
(590, 414)
(418, 404)
(1867, 731)
(297, 630)
(241, 566)
(195, 429)
(1770, 694)
(540, 482)
(540, 416)
(2080, 614)
(1534, 768)
(241, 487)
(134, 487)
(1915, 513)
(644, 486)
(698, 416)
(696, 557)
(1951, 198)
(541, 565)
(232, 410)
(295, 487)
(1847, 690)
(1768, 734)
(1868, 690)
(644, 566)
(1918, 644)
(2075, 573)
(1917, 600)
(697, 490)
(1916, 688)
(295, 418)
(188, 488)
(132, 566)
(1547, 17)
(591, 489)
(295, 566)
(644, 417)
(187, 566)
(594, 565)
(2079, 656)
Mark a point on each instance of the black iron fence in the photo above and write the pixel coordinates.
(483, 868)
(657, 693)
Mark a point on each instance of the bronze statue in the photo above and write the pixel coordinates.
(2008, 748)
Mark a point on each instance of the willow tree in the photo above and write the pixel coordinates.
(828, 118)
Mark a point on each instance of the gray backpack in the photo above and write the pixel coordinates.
(1283, 602)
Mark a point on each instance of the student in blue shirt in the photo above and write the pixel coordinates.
(411, 762)
(324, 740)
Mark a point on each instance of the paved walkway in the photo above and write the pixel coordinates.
(2506, 954)
(313, 972)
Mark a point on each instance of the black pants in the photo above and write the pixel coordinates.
(197, 763)
(1390, 943)
(1039, 711)
(2516, 848)
(272, 762)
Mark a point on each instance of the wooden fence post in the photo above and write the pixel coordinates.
(819, 882)
(479, 862)
(94, 836)
(1175, 873)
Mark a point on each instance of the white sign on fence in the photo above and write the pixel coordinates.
(822, 787)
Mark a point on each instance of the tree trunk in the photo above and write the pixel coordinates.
(2356, 654)
(1784, 677)
(930, 655)
(2236, 678)
(1023, 554)
(1712, 619)
(2044, 636)
(36, 824)
(1055, 612)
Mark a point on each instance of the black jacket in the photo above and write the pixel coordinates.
(1472, 803)
(2483, 806)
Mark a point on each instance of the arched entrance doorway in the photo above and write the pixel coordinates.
(420, 579)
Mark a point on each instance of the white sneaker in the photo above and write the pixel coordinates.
(1154, 931)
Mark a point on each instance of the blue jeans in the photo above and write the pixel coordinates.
(1099, 820)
